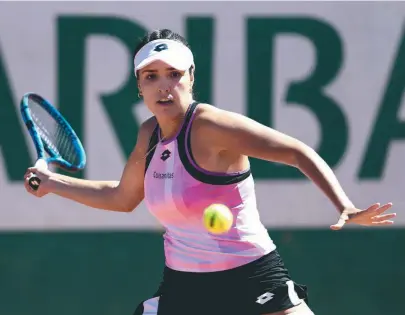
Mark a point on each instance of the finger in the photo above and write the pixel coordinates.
(28, 187)
(383, 208)
(373, 207)
(386, 222)
(28, 174)
(383, 217)
(29, 171)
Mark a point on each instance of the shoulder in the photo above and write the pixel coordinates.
(236, 132)
(211, 119)
(146, 129)
(144, 134)
(209, 110)
(209, 116)
(218, 125)
(148, 125)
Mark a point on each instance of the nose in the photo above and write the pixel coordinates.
(164, 87)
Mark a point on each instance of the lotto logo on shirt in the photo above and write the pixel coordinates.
(165, 155)
(163, 175)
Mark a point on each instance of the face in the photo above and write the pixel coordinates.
(165, 90)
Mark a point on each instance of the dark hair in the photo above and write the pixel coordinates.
(162, 34)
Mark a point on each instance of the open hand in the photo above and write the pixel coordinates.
(372, 216)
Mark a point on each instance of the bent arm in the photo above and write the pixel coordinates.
(232, 131)
(124, 195)
(95, 194)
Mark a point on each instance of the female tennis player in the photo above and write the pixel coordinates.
(190, 155)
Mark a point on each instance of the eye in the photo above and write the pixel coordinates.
(176, 74)
(151, 76)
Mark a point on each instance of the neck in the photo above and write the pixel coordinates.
(169, 127)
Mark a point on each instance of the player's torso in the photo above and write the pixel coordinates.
(170, 193)
(177, 191)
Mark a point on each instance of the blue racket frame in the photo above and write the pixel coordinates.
(40, 146)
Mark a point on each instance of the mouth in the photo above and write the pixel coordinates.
(165, 101)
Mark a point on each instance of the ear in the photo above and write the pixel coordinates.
(192, 76)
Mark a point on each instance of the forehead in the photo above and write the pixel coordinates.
(157, 65)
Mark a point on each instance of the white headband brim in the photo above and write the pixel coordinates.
(171, 52)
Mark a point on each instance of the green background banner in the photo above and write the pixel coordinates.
(352, 272)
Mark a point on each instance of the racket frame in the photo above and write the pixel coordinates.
(41, 147)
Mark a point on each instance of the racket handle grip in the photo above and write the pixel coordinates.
(34, 182)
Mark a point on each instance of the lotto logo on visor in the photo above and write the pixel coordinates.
(171, 52)
(161, 47)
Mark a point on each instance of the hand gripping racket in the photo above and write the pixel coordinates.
(55, 140)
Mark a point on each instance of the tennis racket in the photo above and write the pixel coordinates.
(54, 139)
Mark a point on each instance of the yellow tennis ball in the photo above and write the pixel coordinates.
(218, 218)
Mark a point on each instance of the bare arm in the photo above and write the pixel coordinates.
(232, 131)
(95, 194)
(123, 195)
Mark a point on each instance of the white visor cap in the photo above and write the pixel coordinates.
(174, 53)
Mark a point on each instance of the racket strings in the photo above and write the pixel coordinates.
(65, 146)
(53, 134)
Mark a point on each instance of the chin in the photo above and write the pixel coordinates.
(167, 111)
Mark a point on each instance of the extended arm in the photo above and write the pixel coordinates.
(244, 136)
(232, 131)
